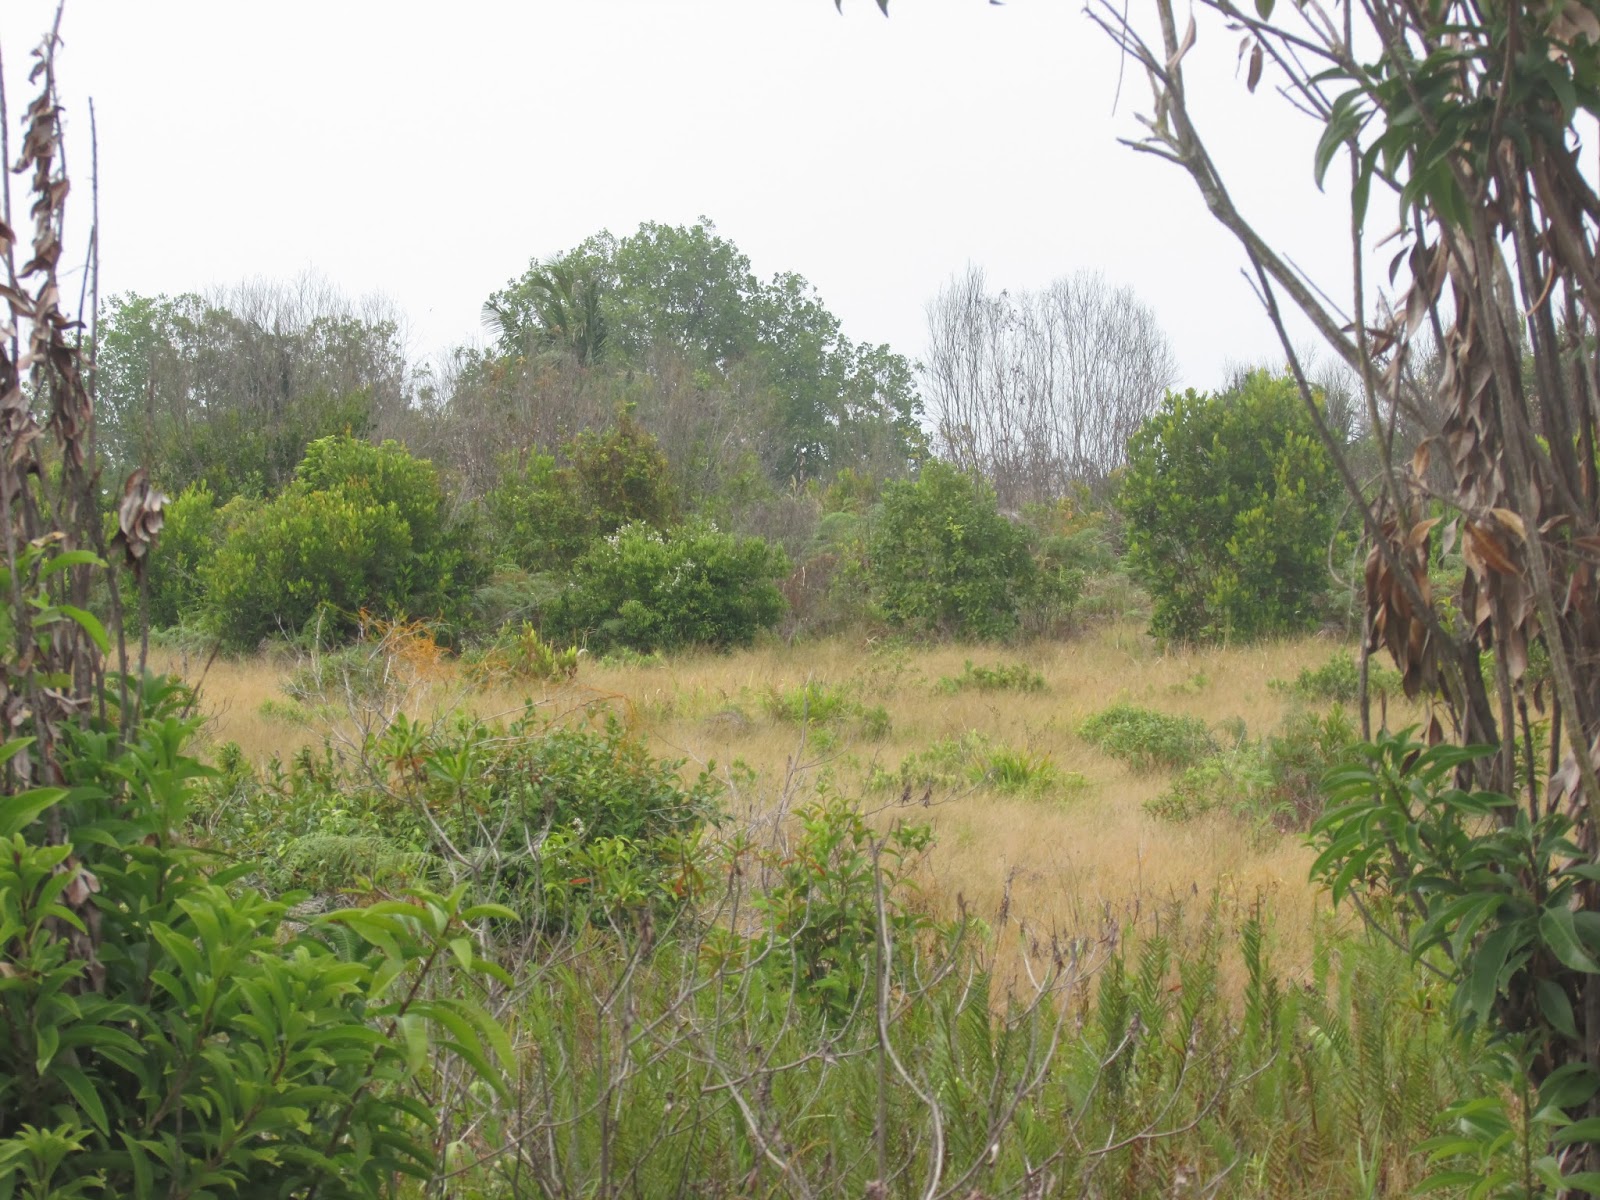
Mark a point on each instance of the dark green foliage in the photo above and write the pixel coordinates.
(1148, 740)
(1486, 889)
(614, 827)
(690, 586)
(822, 909)
(945, 562)
(537, 516)
(1299, 757)
(543, 516)
(361, 527)
(1230, 503)
(190, 534)
(570, 825)
(209, 1047)
(624, 476)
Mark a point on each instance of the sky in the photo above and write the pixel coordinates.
(426, 152)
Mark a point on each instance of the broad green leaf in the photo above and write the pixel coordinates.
(1557, 1008)
(90, 625)
(1557, 930)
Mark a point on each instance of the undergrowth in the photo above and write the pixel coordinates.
(1148, 740)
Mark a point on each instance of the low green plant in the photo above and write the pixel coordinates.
(944, 764)
(1025, 772)
(811, 703)
(822, 908)
(1276, 782)
(1298, 758)
(1339, 680)
(1148, 740)
(974, 761)
(517, 655)
(622, 658)
(1002, 677)
(820, 705)
(1232, 780)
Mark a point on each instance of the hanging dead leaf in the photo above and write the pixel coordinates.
(1183, 46)
(1489, 550)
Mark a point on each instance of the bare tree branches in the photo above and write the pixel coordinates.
(1040, 391)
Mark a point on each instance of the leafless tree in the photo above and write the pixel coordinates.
(1040, 391)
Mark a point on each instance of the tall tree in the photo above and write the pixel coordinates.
(1040, 391)
(686, 293)
(231, 388)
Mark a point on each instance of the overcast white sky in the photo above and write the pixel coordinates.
(427, 151)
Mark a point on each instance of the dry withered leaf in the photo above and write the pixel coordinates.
(139, 517)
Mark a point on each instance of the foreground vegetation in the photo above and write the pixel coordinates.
(555, 947)
(1019, 976)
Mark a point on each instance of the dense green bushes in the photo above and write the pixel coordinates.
(361, 527)
(189, 539)
(690, 586)
(1230, 503)
(543, 516)
(944, 561)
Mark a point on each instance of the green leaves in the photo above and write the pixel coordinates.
(1231, 503)
(690, 586)
(218, 1050)
(944, 561)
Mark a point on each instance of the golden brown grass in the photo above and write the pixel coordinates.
(1064, 860)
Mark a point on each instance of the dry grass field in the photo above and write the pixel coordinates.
(1058, 860)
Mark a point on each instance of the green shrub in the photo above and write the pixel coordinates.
(943, 560)
(1278, 781)
(1002, 677)
(817, 704)
(944, 764)
(1023, 771)
(542, 516)
(1148, 740)
(190, 533)
(812, 703)
(974, 761)
(537, 517)
(1339, 680)
(822, 910)
(1232, 780)
(1298, 758)
(361, 527)
(1231, 502)
(690, 586)
(624, 476)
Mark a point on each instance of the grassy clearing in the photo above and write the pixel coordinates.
(1061, 864)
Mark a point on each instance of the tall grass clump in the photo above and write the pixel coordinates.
(1002, 677)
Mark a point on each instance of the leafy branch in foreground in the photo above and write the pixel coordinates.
(1482, 402)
